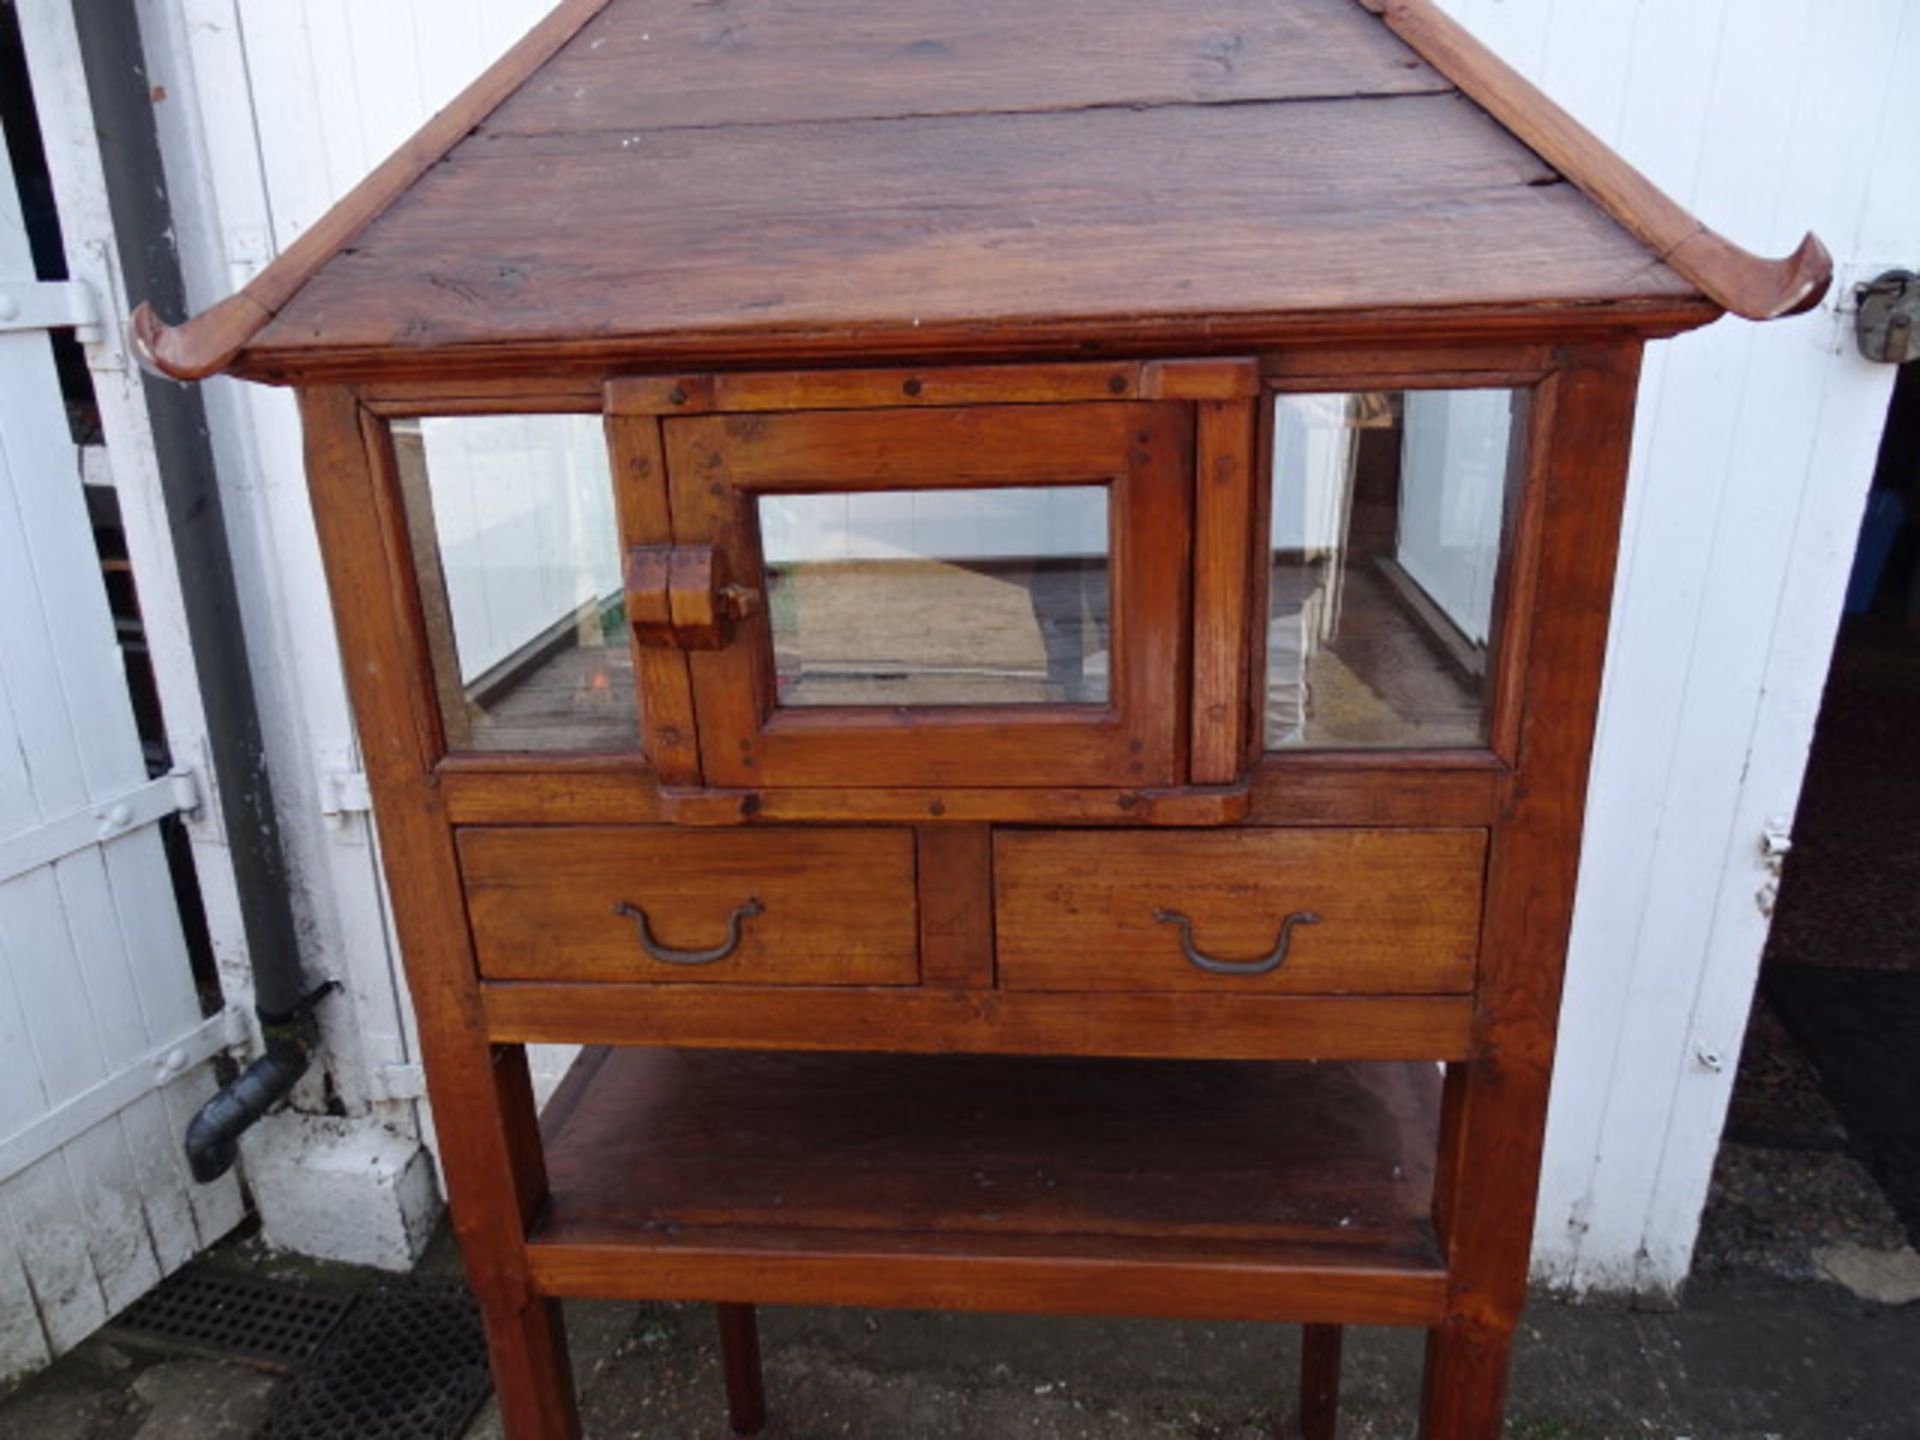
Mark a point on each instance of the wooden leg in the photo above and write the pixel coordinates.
(526, 1334)
(1465, 1387)
(1319, 1381)
(490, 1153)
(527, 1344)
(740, 1355)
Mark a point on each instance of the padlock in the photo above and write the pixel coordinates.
(1888, 322)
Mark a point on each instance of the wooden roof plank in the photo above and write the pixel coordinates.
(1749, 285)
(647, 65)
(676, 175)
(208, 343)
(899, 224)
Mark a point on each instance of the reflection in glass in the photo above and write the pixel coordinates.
(1388, 514)
(939, 597)
(518, 555)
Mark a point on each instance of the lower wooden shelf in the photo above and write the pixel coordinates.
(1255, 1190)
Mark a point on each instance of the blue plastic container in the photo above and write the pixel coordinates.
(1878, 530)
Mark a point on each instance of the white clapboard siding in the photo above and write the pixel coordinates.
(1755, 449)
(1750, 467)
(95, 985)
(272, 110)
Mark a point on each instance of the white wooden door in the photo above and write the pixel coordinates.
(103, 1044)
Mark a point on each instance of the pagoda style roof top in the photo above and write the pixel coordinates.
(683, 181)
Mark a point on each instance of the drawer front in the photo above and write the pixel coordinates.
(1381, 912)
(668, 905)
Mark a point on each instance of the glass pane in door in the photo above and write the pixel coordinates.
(518, 556)
(1389, 515)
(939, 597)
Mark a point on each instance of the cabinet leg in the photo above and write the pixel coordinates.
(1319, 1381)
(1464, 1391)
(740, 1355)
(532, 1377)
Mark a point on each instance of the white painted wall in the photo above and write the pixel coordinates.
(270, 110)
(1751, 464)
(1750, 467)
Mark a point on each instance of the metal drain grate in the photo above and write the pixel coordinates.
(205, 1311)
(410, 1363)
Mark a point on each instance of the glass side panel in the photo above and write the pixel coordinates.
(939, 597)
(518, 557)
(1389, 512)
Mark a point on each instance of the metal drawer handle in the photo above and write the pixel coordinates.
(667, 955)
(1265, 965)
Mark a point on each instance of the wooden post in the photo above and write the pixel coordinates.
(1319, 1381)
(1494, 1119)
(489, 1130)
(740, 1356)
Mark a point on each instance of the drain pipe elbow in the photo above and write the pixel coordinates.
(213, 1135)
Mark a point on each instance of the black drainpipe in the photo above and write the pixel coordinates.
(116, 72)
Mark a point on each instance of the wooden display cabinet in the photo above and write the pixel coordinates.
(957, 617)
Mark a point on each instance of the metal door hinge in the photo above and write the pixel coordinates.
(50, 305)
(175, 793)
(399, 1082)
(344, 793)
(1776, 843)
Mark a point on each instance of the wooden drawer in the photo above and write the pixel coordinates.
(822, 906)
(1397, 911)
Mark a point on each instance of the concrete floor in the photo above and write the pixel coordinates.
(1748, 1357)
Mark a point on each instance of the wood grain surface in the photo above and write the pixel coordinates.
(981, 1182)
(1143, 453)
(956, 905)
(483, 1100)
(1494, 1121)
(1148, 1024)
(1399, 910)
(911, 229)
(837, 906)
(649, 65)
(827, 179)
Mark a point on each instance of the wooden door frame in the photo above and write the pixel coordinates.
(1140, 450)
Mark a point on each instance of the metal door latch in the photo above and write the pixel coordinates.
(1887, 324)
(1776, 843)
(683, 597)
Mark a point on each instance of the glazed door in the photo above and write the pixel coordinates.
(990, 595)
